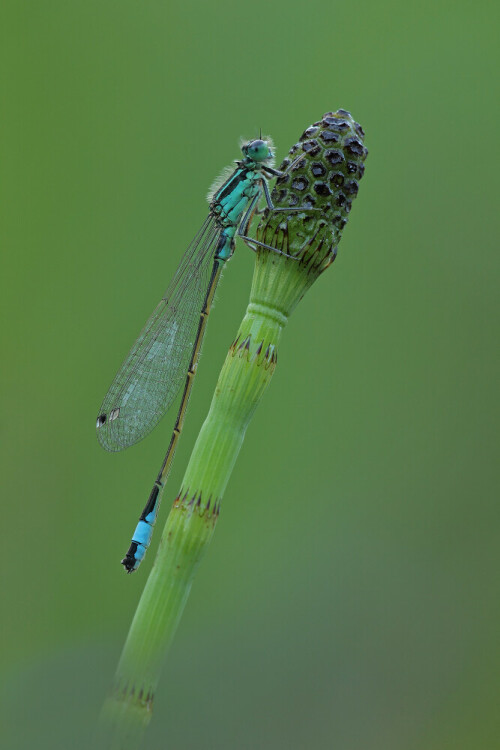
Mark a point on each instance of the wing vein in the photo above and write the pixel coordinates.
(153, 371)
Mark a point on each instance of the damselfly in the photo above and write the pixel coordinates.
(168, 348)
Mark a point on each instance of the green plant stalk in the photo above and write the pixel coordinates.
(279, 282)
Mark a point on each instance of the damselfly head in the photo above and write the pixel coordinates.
(257, 150)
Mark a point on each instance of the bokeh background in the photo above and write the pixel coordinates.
(350, 597)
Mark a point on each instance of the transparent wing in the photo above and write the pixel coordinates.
(154, 370)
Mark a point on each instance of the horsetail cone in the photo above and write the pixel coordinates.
(297, 243)
(312, 200)
(321, 172)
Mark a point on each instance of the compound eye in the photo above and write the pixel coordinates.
(258, 150)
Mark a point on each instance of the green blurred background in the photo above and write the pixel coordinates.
(350, 597)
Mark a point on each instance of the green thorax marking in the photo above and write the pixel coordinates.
(232, 199)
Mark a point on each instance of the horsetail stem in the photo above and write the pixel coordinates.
(321, 175)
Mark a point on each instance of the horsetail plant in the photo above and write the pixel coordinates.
(293, 248)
